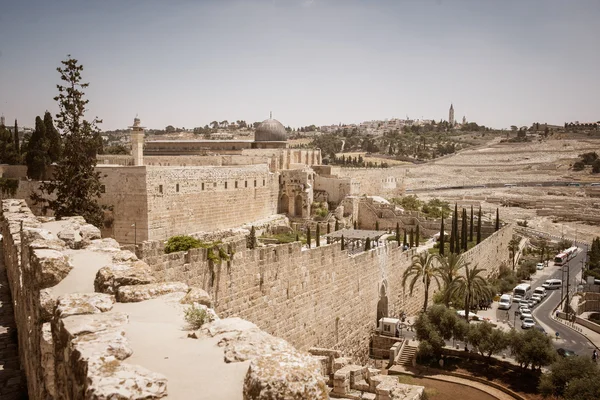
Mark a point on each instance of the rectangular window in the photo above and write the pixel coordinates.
(202, 185)
(160, 189)
(177, 188)
(225, 185)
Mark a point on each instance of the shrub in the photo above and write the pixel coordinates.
(596, 167)
(196, 317)
(578, 166)
(181, 243)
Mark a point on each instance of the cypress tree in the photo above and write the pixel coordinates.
(7, 147)
(343, 244)
(464, 230)
(405, 241)
(479, 226)
(497, 219)
(308, 238)
(355, 225)
(457, 243)
(417, 236)
(411, 242)
(53, 138)
(451, 241)
(252, 238)
(471, 226)
(318, 235)
(37, 152)
(337, 225)
(442, 237)
(76, 186)
(328, 232)
(16, 135)
(367, 244)
(398, 233)
(377, 225)
(297, 237)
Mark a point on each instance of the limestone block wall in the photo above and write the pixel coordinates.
(375, 181)
(336, 188)
(492, 252)
(192, 199)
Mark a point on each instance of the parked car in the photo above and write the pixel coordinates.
(525, 315)
(537, 298)
(525, 310)
(532, 303)
(527, 323)
(565, 353)
(524, 303)
(540, 266)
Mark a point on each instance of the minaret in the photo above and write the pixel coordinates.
(2, 120)
(464, 120)
(451, 115)
(137, 142)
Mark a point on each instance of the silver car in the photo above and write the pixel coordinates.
(527, 323)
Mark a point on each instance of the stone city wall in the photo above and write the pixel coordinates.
(375, 181)
(192, 199)
(319, 297)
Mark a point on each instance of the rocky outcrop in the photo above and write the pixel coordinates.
(83, 303)
(135, 293)
(198, 296)
(76, 233)
(50, 266)
(110, 278)
(285, 375)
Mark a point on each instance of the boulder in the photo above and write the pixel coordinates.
(136, 293)
(47, 305)
(197, 295)
(50, 266)
(124, 256)
(42, 239)
(85, 324)
(83, 303)
(107, 245)
(88, 233)
(108, 343)
(284, 375)
(227, 325)
(250, 344)
(110, 278)
(77, 233)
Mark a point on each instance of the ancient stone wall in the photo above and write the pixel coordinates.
(375, 181)
(318, 297)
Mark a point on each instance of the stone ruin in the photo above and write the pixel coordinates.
(93, 323)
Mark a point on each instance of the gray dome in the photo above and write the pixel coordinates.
(270, 130)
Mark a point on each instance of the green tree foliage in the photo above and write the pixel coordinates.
(457, 245)
(318, 235)
(435, 208)
(181, 243)
(343, 244)
(487, 340)
(596, 167)
(578, 166)
(588, 158)
(435, 326)
(76, 184)
(463, 235)
(251, 239)
(53, 138)
(417, 235)
(471, 286)
(442, 236)
(405, 240)
(471, 226)
(398, 233)
(422, 269)
(308, 238)
(329, 143)
(564, 244)
(411, 241)
(532, 348)
(337, 225)
(377, 225)
(37, 159)
(8, 154)
(117, 149)
(448, 270)
(453, 231)
(513, 247)
(368, 244)
(409, 203)
(16, 138)
(497, 219)
(479, 226)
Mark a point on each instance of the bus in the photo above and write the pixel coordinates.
(522, 292)
(565, 256)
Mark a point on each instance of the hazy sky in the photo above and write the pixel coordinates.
(187, 63)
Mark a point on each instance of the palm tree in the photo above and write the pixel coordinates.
(422, 267)
(471, 286)
(447, 270)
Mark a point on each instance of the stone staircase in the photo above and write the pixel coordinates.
(407, 355)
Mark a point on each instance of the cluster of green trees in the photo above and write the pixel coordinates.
(459, 242)
(434, 208)
(590, 158)
(43, 149)
(439, 324)
(9, 145)
(356, 161)
(572, 378)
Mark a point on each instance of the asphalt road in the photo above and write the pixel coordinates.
(568, 338)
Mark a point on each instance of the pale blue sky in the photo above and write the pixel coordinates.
(187, 63)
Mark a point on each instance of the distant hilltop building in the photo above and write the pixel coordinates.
(451, 115)
(464, 121)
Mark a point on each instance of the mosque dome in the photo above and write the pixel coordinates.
(270, 130)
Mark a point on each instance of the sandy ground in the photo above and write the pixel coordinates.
(194, 367)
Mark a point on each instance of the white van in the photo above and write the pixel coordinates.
(552, 284)
(522, 292)
(540, 291)
(505, 302)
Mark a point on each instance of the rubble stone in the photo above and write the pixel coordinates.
(83, 303)
(110, 278)
(135, 293)
(197, 295)
(51, 267)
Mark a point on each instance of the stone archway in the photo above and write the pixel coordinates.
(382, 303)
(284, 204)
(298, 206)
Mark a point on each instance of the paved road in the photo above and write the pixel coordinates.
(501, 185)
(568, 338)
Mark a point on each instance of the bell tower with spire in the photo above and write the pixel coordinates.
(451, 115)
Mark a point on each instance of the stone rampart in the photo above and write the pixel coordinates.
(375, 181)
(318, 297)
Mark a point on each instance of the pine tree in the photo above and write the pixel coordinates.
(479, 226)
(343, 244)
(442, 237)
(464, 230)
(53, 137)
(37, 152)
(398, 232)
(497, 219)
(16, 135)
(318, 235)
(417, 236)
(471, 226)
(308, 238)
(252, 238)
(76, 184)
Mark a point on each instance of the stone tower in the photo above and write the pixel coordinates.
(2, 120)
(451, 115)
(137, 142)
